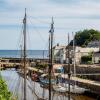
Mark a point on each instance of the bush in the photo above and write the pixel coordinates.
(4, 93)
(89, 62)
(87, 59)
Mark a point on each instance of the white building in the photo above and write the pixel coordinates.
(96, 57)
(79, 52)
(59, 53)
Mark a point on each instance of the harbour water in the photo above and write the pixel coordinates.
(34, 91)
(15, 85)
(15, 82)
(30, 53)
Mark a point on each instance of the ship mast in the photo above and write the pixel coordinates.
(74, 60)
(24, 58)
(69, 69)
(50, 55)
(49, 71)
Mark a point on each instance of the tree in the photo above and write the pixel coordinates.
(82, 38)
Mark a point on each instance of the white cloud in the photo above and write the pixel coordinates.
(68, 16)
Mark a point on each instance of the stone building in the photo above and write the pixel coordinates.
(61, 53)
(96, 58)
(79, 52)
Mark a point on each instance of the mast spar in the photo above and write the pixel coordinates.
(24, 58)
(74, 60)
(69, 69)
(50, 55)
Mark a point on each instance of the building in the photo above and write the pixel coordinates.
(80, 51)
(94, 44)
(59, 54)
(96, 58)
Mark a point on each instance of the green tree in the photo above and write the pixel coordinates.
(82, 38)
(87, 58)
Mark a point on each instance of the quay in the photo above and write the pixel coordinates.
(4, 65)
(93, 86)
(16, 62)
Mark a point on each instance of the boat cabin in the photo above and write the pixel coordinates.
(58, 68)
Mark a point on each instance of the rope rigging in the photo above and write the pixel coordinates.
(39, 20)
(16, 86)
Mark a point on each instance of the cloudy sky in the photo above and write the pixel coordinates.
(69, 16)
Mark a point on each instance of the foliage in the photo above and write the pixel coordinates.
(82, 38)
(4, 93)
(41, 65)
(87, 59)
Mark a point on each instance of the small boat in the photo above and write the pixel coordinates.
(59, 88)
(76, 89)
(62, 86)
(73, 89)
(44, 80)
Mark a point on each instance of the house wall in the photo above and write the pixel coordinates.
(96, 58)
(60, 53)
(79, 52)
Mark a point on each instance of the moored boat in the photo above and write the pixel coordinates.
(44, 80)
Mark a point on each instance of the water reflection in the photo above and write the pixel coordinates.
(15, 85)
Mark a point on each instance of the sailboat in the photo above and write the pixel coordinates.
(61, 88)
(48, 79)
(23, 66)
(67, 87)
(23, 70)
(24, 53)
(73, 88)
